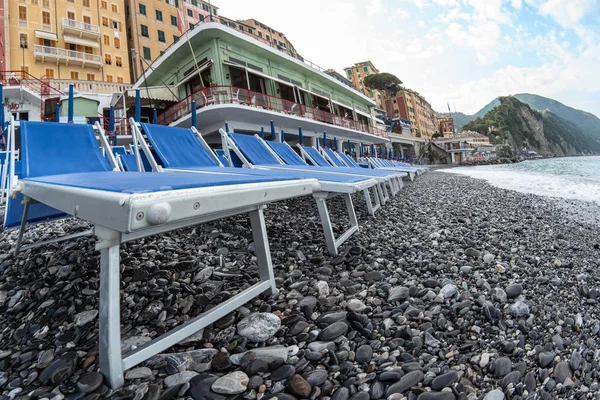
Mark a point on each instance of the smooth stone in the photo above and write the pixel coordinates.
(364, 354)
(89, 382)
(444, 380)
(269, 354)
(437, 396)
(406, 382)
(85, 317)
(179, 378)
(259, 327)
(355, 305)
(299, 386)
(221, 362)
(519, 309)
(545, 358)
(502, 367)
(562, 371)
(341, 393)
(514, 290)
(530, 382)
(492, 314)
(316, 377)
(333, 331)
(398, 293)
(448, 290)
(495, 394)
(232, 383)
(283, 372)
(139, 373)
(200, 388)
(513, 377)
(360, 396)
(377, 390)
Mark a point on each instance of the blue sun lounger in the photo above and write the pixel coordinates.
(379, 164)
(184, 150)
(66, 172)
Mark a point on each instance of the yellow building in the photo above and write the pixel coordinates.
(410, 105)
(154, 25)
(66, 39)
(357, 73)
(269, 35)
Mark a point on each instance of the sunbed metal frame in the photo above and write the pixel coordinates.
(376, 165)
(321, 197)
(135, 216)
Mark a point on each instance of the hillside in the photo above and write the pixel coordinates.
(585, 121)
(521, 127)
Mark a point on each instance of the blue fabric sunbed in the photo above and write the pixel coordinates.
(184, 150)
(65, 171)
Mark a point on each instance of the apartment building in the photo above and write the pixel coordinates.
(358, 72)
(445, 125)
(154, 25)
(410, 105)
(276, 38)
(65, 39)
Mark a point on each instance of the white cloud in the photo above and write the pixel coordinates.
(568, 13)
(516, 4)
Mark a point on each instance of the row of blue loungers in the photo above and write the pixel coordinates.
(64, 173)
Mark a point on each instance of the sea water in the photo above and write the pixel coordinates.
(576, 178)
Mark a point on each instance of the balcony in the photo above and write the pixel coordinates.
(80, 29)
(214, 95)
(64, 56)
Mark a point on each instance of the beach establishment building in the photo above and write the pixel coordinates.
(225, 76)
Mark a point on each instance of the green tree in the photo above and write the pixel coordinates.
(384, 81)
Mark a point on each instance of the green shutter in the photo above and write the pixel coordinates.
(147, 54)
(173, 20)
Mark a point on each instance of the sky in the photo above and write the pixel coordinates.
(462, 53)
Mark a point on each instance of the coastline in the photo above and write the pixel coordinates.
(455, 287)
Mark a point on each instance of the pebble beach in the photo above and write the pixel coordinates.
(455, 289)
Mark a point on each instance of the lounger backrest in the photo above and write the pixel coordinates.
(178, 147)
(120, 150)
(316, 156)
(332, 155)
(254, 150)
(349, 160)
(52, 148)
(287, 154)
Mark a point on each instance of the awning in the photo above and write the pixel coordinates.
(46, 35)
(255, 72)
(155, 93)
(341, 104)
(80, 41)
(314, 94)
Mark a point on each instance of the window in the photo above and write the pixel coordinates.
(107, 59)
(250, 31)
(104, 21)
(22, 13)
(86, 3)
(104, 4)
(144, 30)
(349, 72)
(259, 34)
(173, 20)
(109, 78)
(395, 101)
(158, 15)
(115, 25)
(146, 51)
(161, 53)
(119, 79)
(45, 18)
(356, 69)
(49, 73)
(87, 19)
(118, 61)
(71, 15)
(268, 38)
(366, 69)
(106, 40)
(23, 41)
(142, 9)
(191, 26)
(190, 13)
(114, 8)
(91, 77)
(75, 75)
(161, 36)
(201, 17)
(175, 38)
(117, 43)
(46, 3)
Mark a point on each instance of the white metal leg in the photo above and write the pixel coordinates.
(23, 224)
(261, 248)
(370, 207)
(111, 365)
(326, 222)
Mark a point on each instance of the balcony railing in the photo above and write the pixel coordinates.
(84, 86)
(80, 26)
(234, 95)
(64, 54)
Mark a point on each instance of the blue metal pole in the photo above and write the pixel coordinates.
(335, 143)
(71, 105)
(57, 112)
(349, 147)
(111, 125)
(226, 127)
(300, 137)
(324, 140)
(362, 149)
(372, 150)
(154, 116)
(282, 136)
(262, 132)
(317, 143)
(138, 106)
(273, 134)
(194, 116)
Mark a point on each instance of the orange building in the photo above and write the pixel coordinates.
(445, 124)
(410, 105)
